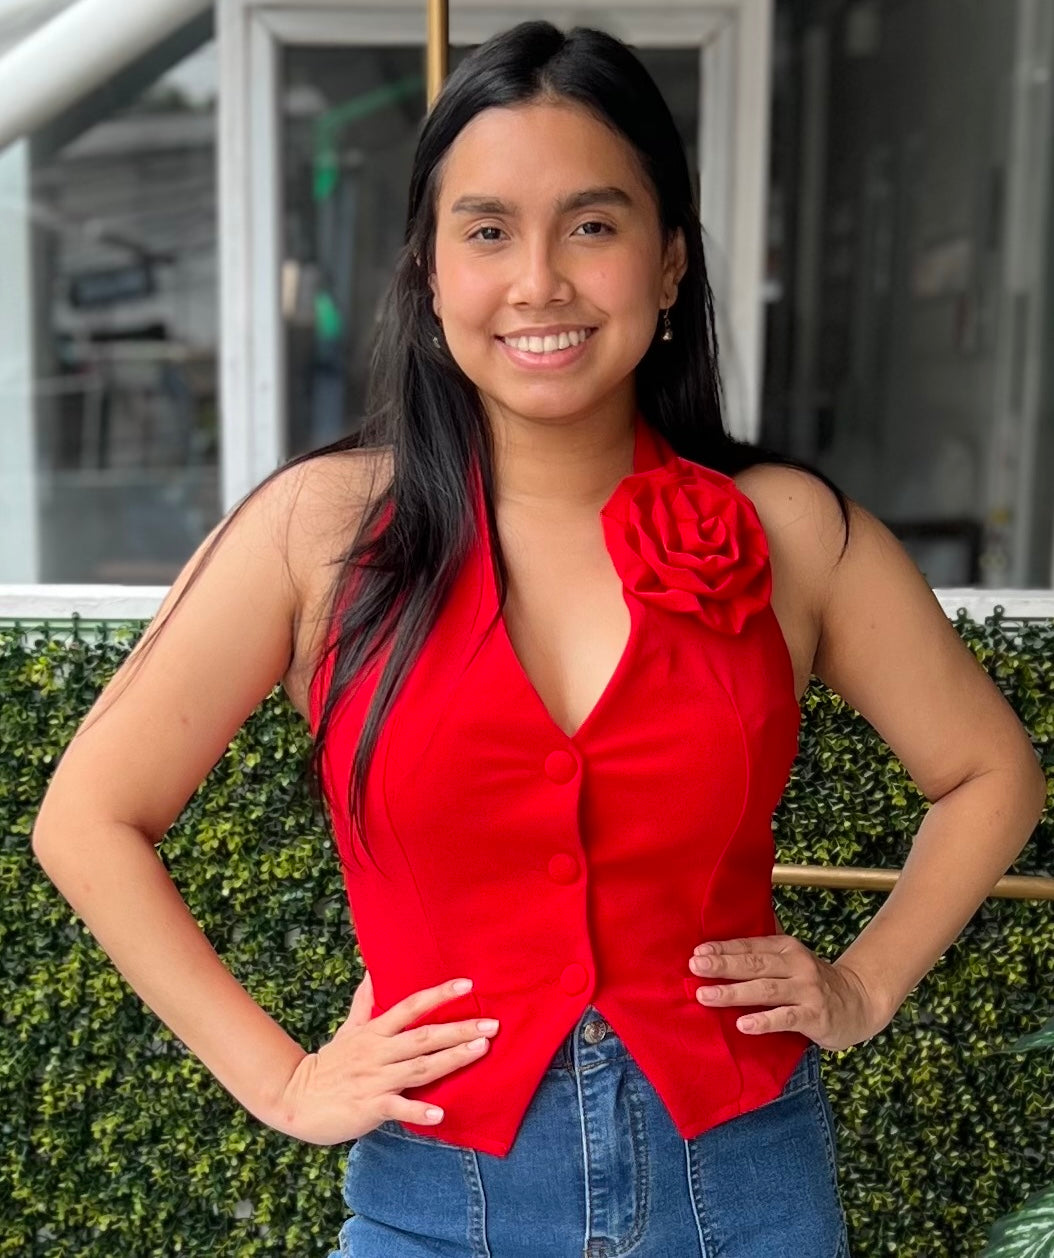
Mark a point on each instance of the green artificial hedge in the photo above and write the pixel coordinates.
(116, 1142)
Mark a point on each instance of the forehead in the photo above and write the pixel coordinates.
(532, 154)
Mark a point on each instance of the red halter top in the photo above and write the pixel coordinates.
(557, 871)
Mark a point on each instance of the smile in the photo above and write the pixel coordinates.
(548, 344)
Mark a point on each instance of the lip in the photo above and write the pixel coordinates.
(556, 358)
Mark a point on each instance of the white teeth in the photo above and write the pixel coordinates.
(547, 344)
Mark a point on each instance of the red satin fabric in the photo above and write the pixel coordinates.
(558, 871)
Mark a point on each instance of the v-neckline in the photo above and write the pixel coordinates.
(649, 451)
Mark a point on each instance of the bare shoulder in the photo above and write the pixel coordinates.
(224, 635)
(320, 502)
(317, 508)
(801, 516)
(884, 642)
(805, 530)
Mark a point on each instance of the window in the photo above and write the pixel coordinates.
(107, 223)
(909, 275)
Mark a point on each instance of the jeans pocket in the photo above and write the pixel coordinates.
(409, 1198)
(392, 1127)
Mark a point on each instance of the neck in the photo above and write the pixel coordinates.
(572, 463)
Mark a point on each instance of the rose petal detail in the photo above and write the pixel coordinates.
(686, 538)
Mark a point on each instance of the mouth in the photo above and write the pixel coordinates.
(548, 345)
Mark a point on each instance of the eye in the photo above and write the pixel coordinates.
(478, 234)
(595, 228)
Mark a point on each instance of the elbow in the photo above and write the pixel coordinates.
(1028, 781)
(48, 846)
(41, 837)
(1036, 785)
(1027, 789)
(64, 838)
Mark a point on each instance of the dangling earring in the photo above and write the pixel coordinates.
(667, 330)
(435, 342)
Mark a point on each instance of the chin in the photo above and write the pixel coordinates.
(545, 409)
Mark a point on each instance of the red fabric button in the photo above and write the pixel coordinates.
(574, 979)
(560, 766)
(563, 867)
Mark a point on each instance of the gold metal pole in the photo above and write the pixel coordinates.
(438, 46)
(854, 878)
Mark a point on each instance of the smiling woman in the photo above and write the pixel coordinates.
(553, 687)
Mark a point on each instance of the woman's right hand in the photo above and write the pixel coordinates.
(354, 1083)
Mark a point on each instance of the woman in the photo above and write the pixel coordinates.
(554, 689)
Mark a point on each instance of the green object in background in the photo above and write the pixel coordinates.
(329, 125)
(1029, 1231)
(116, 1141)
(329, 323)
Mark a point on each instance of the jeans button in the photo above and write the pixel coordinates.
(594, 1032)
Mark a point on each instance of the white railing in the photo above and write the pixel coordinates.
(140, 602)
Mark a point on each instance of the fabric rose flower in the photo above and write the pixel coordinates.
(686, 538)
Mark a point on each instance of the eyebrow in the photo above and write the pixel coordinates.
(567, 205)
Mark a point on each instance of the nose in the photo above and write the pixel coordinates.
(540, 279)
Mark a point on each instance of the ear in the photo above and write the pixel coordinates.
(436, 303)
(675, 263)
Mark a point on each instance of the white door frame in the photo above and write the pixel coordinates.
(1021, 351)
(734, 42)
(19, 482)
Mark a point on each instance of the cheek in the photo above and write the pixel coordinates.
(474, 295)
(636, 284)
(626, 290)
(464, 292)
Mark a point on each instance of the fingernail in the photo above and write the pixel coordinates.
(704, 948)
(487, 1025)
(462, 985)
(475, 1045)
(433, 1115)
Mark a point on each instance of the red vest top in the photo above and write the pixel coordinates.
(557, 871)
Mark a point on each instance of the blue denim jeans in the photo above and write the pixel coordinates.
(598, 1170)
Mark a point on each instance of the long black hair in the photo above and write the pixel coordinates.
(414, 536)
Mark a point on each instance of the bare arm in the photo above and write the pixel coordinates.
(886, 646)
(148, 743)
(868, 625)
(153, 735)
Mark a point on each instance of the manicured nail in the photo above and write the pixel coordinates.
(462, 985)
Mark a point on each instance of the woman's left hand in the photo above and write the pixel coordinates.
(826, 1001)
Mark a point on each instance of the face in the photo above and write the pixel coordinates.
(550, 267)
